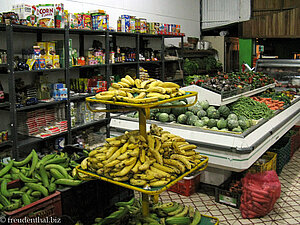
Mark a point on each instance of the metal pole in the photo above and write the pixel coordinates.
(12, 92)
(107, 75)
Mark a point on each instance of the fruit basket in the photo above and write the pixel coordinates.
(140, 96)
(151, 190)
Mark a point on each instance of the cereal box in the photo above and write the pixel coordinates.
(80, 20)
(73, 21)
(56, 63)
(45, 15)
(87, 21)
(50, 48)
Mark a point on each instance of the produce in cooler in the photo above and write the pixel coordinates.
(251, 109)
(41, 177)
(148, 162)
(201, 115)
(169, 213)
(228, 82)
(137, 91)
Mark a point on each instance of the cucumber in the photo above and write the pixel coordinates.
(4, 190)
(68, 182)
(25, 199)
(52, 187)
(61, 169)
(36, 194)
(23, 162)
(38, 187)
(26, 179)
(35, 160)
(56, 174)
(44, 176)
(4, 201)
(12, 206)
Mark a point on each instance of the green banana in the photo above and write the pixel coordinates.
(196, 218)
(129, 203)
(178, 210)
(170, 209)
(178, 220)
(184, 212)
(6, 168)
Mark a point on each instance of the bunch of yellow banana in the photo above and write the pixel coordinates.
(152, 161)
(139, 92)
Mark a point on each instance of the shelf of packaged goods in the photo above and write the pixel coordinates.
(114, 33)
(231, 151)
(80, 97)
(40, 105)
(87, 31)
(216, 99)
(149, 62)
(88, 66)
(30, 29)
(39, 71)
(123, 63)
(24, 140)
(5, 143)
(4, 105)
(90, 124)
(149, 191)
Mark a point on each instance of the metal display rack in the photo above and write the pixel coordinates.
(109, 37)
(144, 113)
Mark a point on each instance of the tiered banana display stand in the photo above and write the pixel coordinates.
(144, 113)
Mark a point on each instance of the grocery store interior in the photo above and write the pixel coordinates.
(149, 112)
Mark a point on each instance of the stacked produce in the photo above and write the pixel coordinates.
(137, 91)
(272, 104)
(251, 109)
(234, 81)
(153, 161)
(170, 213)
(201, 115)
(41, 177)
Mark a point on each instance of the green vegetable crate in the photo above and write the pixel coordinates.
(295, 140)
(224, 194)
(283, 150)
(266, 163)
(47, 210)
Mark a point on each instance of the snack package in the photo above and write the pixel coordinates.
(73, 21)
(45, 15)
(80, 20)
(87, 23)
(48, 61)
(50, 48)
(56, 63)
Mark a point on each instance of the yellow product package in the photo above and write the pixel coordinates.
(30, 63)
(48, 61)
(51, 48)
(56, 63)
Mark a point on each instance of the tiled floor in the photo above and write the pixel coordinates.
(286, 210)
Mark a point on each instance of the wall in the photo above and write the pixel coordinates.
(218, 43)
(185, 13)
(216, 13)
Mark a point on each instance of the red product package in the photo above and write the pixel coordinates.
(260, 193)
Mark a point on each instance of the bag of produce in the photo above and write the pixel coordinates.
(260, 192)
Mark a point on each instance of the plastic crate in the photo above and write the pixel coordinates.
(295, 141)
(44, 211)
(187, 186)
(111, 194)
(266, 163)
(283, 150)
(80, 203)
(295, 144)
(227, 197)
